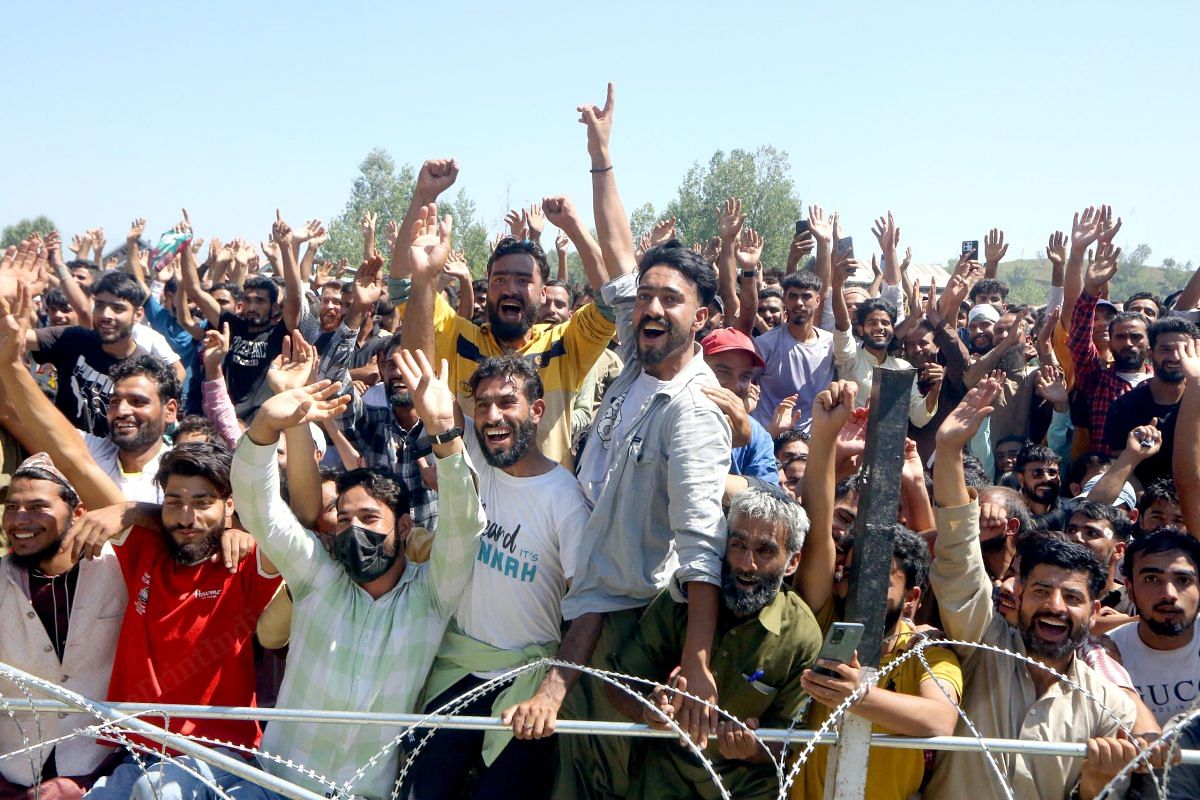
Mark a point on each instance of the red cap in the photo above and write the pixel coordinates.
(723, 339)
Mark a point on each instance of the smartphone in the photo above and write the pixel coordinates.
(845, 247)
(801, 227)
(840, 644)
(970, 248)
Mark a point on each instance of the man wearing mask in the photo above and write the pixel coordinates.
(367, 623)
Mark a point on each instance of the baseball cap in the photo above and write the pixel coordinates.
(723, 339)
(1127, 497)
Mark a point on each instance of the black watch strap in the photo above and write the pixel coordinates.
(446, 436)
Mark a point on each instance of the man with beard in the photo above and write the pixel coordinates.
(1004, 697)
(517, 273)
(1155, 399)
(1039, 471)
(59, 620)
(82, 357)
(1099, 384)
(390, 438)
(766, 638)
(1161, 650)
(981, 328)
(255, 336)
(559, 303)
(770, 309)
(933, 346)
(856, 361)
(367, 623)
(913, 701)
(511, 612)
(144, 401)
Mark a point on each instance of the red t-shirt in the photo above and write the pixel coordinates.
(187, 636)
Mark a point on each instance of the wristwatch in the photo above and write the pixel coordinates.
(752, 273)
(446, 436)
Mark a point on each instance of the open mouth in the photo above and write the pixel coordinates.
(496, 434)
(1050, 629)
(23, 535)
(124, 426)
(654, 330)
(510, 308)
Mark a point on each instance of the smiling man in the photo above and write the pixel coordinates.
(1038, 470)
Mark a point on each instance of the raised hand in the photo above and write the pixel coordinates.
(1101, 268)
(391, 232)
(1051, 385)
(1145, 441)
(730, 220)
(281, 232)
(81, 245)
(15, 314)
(1085, 228)
(368, 222)
(535, 221)
(820, 226)
(599, 129)
(784, 417)
(367, 287)
(994, 247)
(216, 347)
(1189, 359)
(561, 242)
(1056, 249)
(23, 265)
(98, 240)
(515, 220)
(886, 232)
(842, 269)
(431, 395)
(561, 212)
(663, 231)
(749, 250)
(315, 402)
(832, 409)
(435, 177)
(1106, 226)
(294, 366)
(314, 229)
(430, 246)
(965, 420)
(712, 250)
(136, 229)
(802, 244)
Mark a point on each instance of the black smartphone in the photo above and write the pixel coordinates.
(970, 248)
(845, 247)
(801, 227)
(840, 643)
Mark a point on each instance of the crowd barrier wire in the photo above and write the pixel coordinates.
(130, 715)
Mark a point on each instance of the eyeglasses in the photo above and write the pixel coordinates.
(1044, 472)
(793, 459)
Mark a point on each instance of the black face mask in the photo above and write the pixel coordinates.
(361, 552)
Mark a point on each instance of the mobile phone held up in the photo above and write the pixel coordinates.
(802, 227)
(845, 247)
(970, 248)
(840, 643)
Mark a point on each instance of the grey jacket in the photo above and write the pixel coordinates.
(677, 451)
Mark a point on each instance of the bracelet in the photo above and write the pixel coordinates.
(604, 169)
(749, 273)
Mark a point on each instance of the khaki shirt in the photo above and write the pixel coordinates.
(781, 642)
(999, 695)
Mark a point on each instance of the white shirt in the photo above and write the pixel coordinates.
(137, 486)
(1167, 680)
(612, 429)
(153, 343)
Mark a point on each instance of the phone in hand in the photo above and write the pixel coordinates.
(840, 643)
(970, 248)
(845, 247)
(802, 227)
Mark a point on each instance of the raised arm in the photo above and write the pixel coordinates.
(748, 256)
(560, 251)
(994, 249)
(831, 409)
(428, 248)
(293, 286)
(612, 223)
(435, 177)
(133, 261)
(190, 274)
(730, 220)
(563, 214)
(1056, 252)
(292, 369)
(1142, 442)
(66, 281)
(822, 231)
(888, 235)
(1185, 461)
(837, 286)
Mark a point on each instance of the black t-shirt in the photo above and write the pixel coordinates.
(250, 354)
(362, 356)
(1137, 407)
(84, 387)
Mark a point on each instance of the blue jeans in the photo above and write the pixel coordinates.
(167, 779)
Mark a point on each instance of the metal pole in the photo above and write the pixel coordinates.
(949, 743)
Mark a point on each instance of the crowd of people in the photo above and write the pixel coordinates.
(254, 479)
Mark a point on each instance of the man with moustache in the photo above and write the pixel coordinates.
(511, 612)
(59, 620)
(1161, 650)
(1039, 472)
(1156, 398)
(1004, 697)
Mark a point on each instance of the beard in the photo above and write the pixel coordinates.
(1128, 360)
(143, 437)
(523, 435)
(744, 602)
(672, 340)
(199, 549)
(1037, 646)
(1173, 376)
(891, 617)
(1042, 492)
(1163, 628)
(33, 560)
(507, 331)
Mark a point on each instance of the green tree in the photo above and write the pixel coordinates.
(15, 234)
(386, 190)
(641, 220)
(1175, 274)
(1131, 273)
(761, 179)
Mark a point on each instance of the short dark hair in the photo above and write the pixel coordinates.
(152, 367)
(1034, 454)
(974, 475)
(194, 423)
(1162, 488)
(197, 460)
(684, 260)
(913, 554)
(1070, 556)
(1128, 316)
(1160, 540)
(1102, 512)
(1170, 325)
(1158, 303)
(774, 274)
(874, 304)
(384, 487)
(511, 245)
(479, 285)
(1080, 466)
(1018, 439)
(770, 291)
(788, 436)
(121, 285)
(65, 490)
(988, 286)
(515, 368)
(56, 298)
(571, 294)
(851, 483)
(801, 279)
(75, 263)
(234, 290)
(263, 284)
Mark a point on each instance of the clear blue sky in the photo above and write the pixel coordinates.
(958, 116)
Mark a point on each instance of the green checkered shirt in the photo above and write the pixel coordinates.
(349, 652)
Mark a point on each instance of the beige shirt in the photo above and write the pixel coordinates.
(855, 363)
(999, 695)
